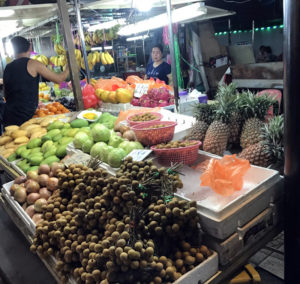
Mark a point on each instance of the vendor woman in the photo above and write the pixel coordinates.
(159, 69)
(21, 83)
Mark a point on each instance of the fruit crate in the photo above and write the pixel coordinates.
(247, 235)
(202, 272)
(17, 208)
(220, 216)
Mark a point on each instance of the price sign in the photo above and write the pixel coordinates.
(140, 89)
(139, 155)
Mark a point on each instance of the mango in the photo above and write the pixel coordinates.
(78, 123)
(65, 140)
(53, 133)
(55, 125)
(61, 151)
(20, 150)
(50, 160)
(12, 157)
(36, 160)
(72, 132)
(57, 138)
(36, 142)
(46, 138)
(50, 152)
(25, 153)
(47, 145)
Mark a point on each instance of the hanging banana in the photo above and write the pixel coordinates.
(103, 59)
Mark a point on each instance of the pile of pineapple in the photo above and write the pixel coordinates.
(238, 121)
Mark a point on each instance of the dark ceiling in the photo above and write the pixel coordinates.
(263, 12)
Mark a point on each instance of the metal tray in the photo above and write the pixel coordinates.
(17, 207)
(220, 216)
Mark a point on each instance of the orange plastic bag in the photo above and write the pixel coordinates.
(124, 114)
(225, 176)
(133, 79)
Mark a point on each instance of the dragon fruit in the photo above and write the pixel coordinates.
(163, 94)
(163, 103)
(135, 102)
(146, 103)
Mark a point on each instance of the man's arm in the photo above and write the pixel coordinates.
(48, 74)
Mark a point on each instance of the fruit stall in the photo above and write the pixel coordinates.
(127, 191)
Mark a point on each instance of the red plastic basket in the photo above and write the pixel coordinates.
(132, 123)
(152, 136)
(188, 155)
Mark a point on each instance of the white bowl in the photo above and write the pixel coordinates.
(98, 113)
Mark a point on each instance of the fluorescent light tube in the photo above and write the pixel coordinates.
(107, 25)
(137, 37)
(178, 15)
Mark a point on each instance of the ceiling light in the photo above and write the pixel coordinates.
(178, 15)
(143, 5)
(100, 48)
(107, 25)
(6, 12)
(137, 37)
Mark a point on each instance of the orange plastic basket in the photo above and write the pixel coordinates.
(132, 123)
(152, 136)
(188, 155)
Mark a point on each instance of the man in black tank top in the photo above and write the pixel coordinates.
(21, 83)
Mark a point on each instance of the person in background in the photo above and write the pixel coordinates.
(158, 68)
(21, 83)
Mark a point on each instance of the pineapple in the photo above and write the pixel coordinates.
(217, 134)
(270, 150)
(204, 116)
(254, 111)
(257, 154)
(236, 120)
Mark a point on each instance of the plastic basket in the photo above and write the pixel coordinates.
(152, 136)
(188, 155)
(132, 123)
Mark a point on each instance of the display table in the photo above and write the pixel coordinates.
(13, 239)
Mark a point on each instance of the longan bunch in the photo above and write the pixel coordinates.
(104, 229)
(176, 219)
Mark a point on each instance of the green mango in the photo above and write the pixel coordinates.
(61, 151)
(50, 160)
(50, 152)
(57, 138)
(12, 157)
(34, 168)
(25, 153)
(72, 132)
(36, 160)
(55, 125)
(36, 142)
(20, 150)
(78, 123)
(47, 145)
(67, 125)
(46, 138)
(36, 150)
(53, 133)
(66, 140)
(64, 131)
(25, 168)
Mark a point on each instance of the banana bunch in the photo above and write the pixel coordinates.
(59, 49)
(59, 60)
(87, 38)
(93, 82)
(106, 58)
(77, 41)
(41, 58)
(78, 56)
(89, 63)
(98, 37)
